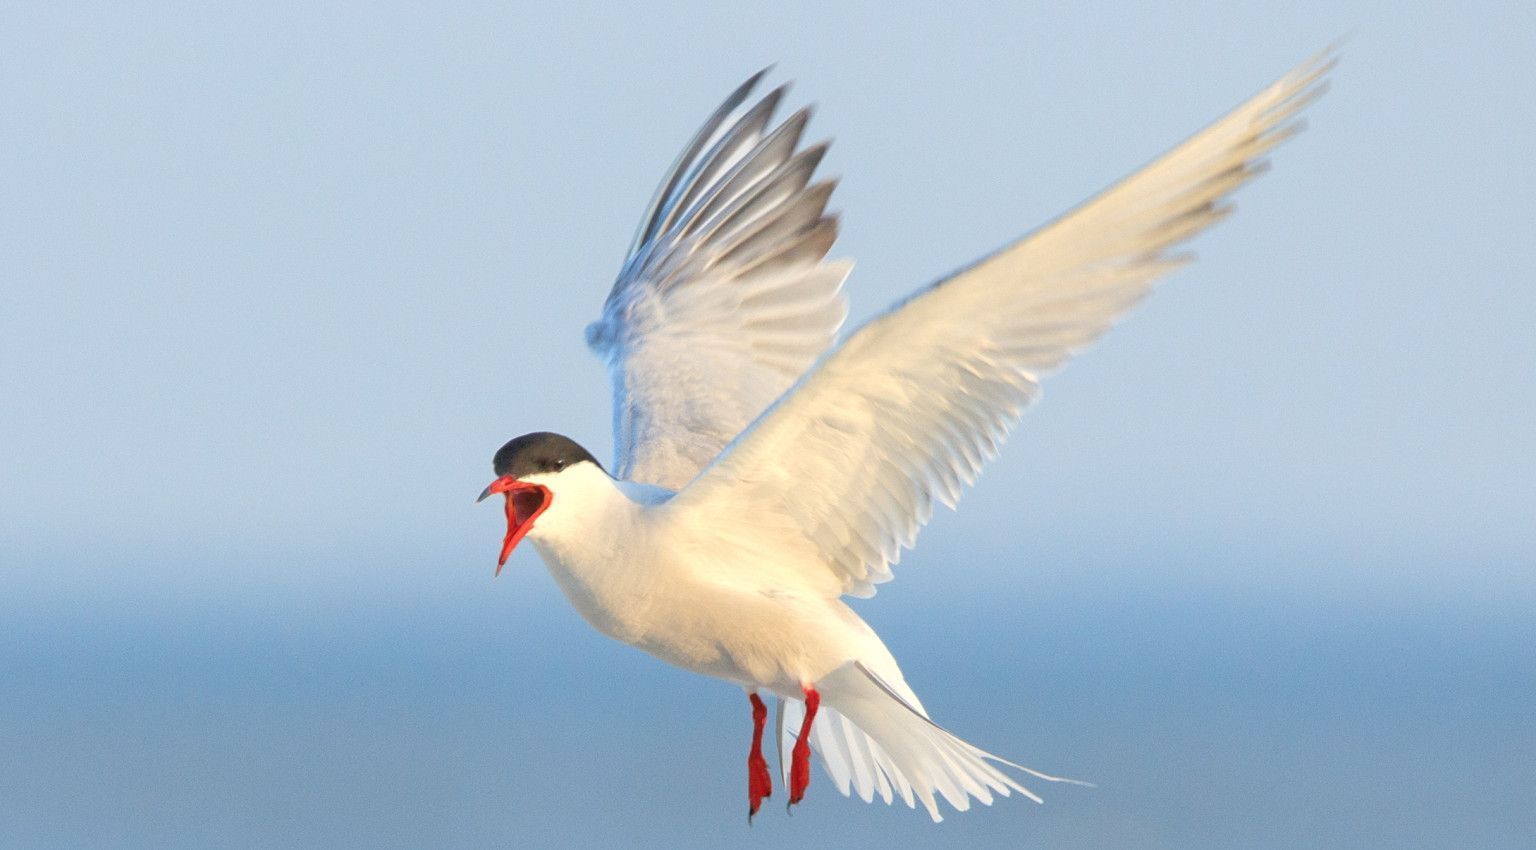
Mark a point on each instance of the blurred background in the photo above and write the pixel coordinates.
(276, 280)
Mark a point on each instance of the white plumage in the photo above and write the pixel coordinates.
(764, 472)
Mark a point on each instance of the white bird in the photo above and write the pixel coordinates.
(763, 471)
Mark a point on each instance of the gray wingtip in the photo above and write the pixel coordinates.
(750, 84)
(686, 157)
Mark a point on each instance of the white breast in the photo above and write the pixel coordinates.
(688, 596)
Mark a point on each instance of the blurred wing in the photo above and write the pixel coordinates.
(911, 406)
(726, 297)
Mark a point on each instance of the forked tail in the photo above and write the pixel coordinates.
(872, 740)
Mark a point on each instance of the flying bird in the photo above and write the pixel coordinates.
(765, 469)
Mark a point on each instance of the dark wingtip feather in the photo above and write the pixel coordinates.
(686, 158)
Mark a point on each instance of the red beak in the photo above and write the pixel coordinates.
(524, 504)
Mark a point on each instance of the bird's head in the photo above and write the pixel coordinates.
(531, 471)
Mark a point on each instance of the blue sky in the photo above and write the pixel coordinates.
(277, 279)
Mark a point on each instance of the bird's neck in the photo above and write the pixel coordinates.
(599, 551)
(592, 517)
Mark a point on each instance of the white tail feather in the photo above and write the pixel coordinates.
(871, 740)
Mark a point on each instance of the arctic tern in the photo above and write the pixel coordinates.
(766, 469)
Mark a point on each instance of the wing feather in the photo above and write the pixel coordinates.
(912, 405)
(650, 223)
(726, 296)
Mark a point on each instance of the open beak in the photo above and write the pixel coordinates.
(524, 504)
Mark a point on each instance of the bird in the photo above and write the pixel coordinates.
(767, 466)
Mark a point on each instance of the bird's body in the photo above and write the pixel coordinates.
(703, 596)
(766, 469)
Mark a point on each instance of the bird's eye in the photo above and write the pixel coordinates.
(559, 465)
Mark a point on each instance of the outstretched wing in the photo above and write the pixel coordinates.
(726, 297)
(910, 407)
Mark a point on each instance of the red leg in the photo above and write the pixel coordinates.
(800, 764)
(759, 781)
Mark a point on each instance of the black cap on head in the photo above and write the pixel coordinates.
(538, 452)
